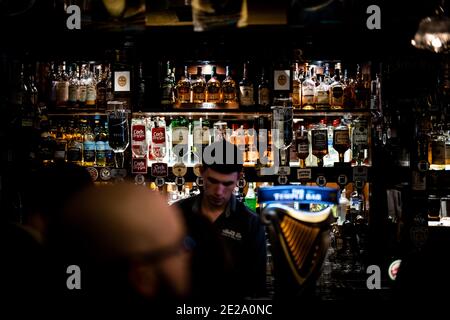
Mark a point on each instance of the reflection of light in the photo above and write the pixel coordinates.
(207, 69)
(433, 33)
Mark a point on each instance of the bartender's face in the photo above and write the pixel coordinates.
(218, 187)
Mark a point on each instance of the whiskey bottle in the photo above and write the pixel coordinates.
(360, 141)
(184, 87)
(62, 87)
(180, 138)
(361, 90)
(302, 144)
(263, 91)
(349, 92)
(199, 87)
(246, 89)
(74, 86)
(229, 87)
(91, 88)
(167, 86)
(319, 138)
(296, 87)
(213, 88)
(308, 90)
(341, 140)
(101, 88)
(322, 95)
(337, 90)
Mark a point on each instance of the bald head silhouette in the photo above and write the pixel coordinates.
(129, 240)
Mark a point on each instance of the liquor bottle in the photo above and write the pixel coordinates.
(263, 90)
(437, 146)
(343, 207)
(322, 95)
(121, 79)
(139, 146)
(296, 87)
(251, 149)
(229, 87)
(246, 89)
(82, 86)
(74, 145)
(308, 90)
(158, 139)
(333, 156)
(349, 92)
(337, 90)
(360, 141)
(184, 87)
(167, 86)
(91, 89)
(141, 87)
(60, 153)
(74, 89)
(302, 144)
(199, 87)
(109, 86)
(341, 140)
(319, 139)
(250, 197)
(361, 90)
(201, 138)
(46, 145)
(88, 146)
(326, 75)
(62, 87)
(447, 148)
(52, 83)
(213, 88)
(101, 89)
(180, 136)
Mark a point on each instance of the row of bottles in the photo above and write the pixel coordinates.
(316, 143)
(76, 141)
(313, 87)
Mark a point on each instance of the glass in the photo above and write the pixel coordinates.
(282, 126)
(119, 138)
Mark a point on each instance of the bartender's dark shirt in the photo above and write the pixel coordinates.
(236, 240)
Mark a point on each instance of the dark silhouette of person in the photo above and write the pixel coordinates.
(26, 263)
(229, 257)
(130, 247)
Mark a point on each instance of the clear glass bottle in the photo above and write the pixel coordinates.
(296, 87)
(62, 86)
(322, 95)
(337, 90)
(308, 90)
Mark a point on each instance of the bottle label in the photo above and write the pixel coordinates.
(138, 132)
(122, 81)
(264, 97)
(360, 136)
(341, 137)
(246, 95)
(303, 148)
(201, 135)
(180, 135)
(213, 94)
(82, 93)
(139, 166)
(319, 140)
(167, 93)
(89, 151)
(159, 135)
(229, 93)
(322, 97)
(337, 95)
(74, 93)
(184, 94)
(62, 92)
(91, 95)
